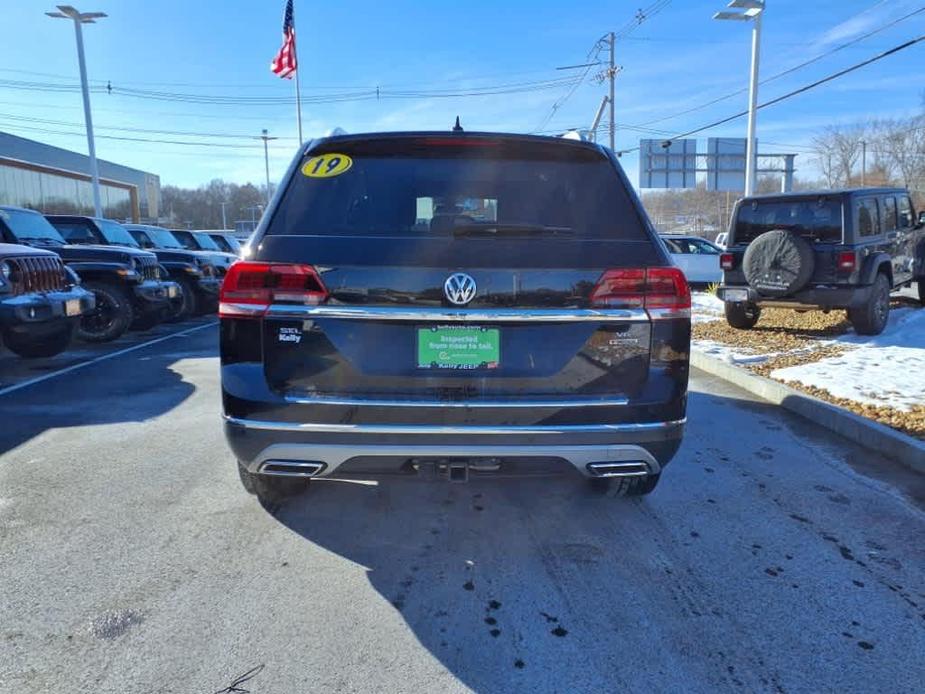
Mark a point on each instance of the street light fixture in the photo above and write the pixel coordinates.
(68, 12)
(753, 10)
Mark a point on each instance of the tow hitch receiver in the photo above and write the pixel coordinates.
(458, 471)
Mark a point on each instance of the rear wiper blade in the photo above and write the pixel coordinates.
(508, 229)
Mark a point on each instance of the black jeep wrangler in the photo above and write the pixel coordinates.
(40, 301)
(194, 271)
(837, 249)
(126, 282)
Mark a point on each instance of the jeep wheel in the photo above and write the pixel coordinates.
(271, 489)
(625, 486)
(112, 316)
(187, 305)
(30, 347)
(872, 318)
(742, 316)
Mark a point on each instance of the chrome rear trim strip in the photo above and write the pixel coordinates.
(425, 429)
(475, 404)
(447, 315)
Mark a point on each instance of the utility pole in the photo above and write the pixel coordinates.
(68, 12)
(612, 73)
(224, 223)
(266, 158)
(863, 163)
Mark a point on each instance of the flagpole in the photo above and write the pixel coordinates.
(298, 92)
(298, 102)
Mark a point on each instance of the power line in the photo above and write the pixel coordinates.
(791, 69)
(805, 88)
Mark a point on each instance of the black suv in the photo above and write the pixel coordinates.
(126, 282)
(40, 301)
(454, 303)
(194, 271)
(838, 249)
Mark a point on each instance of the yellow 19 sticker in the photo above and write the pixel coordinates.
(327, 165)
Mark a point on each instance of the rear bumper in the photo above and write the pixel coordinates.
(815, 297)
(339, 446)
(39, 308)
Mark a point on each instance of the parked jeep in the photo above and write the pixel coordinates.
(192, 241)
(194, 271)
(40, 301)
(839, 249)
(226, 240)
(126, 282)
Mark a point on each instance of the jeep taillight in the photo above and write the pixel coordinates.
(727, 261)
(651, 288)
(846, 261)
(250, 288)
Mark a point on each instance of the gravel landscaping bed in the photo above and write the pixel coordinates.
(880, 377)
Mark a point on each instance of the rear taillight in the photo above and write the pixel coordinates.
(250, 288)
(652, 288)
(727, 261)
(847, 261)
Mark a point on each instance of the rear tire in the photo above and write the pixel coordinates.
(872, 318)
(625, 486)
(29, 347)
(742, 316)
(270, 489)
(112, 316)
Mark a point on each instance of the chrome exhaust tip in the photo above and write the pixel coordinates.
(290, 468)
(623, 468)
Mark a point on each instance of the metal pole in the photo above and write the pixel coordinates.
(298, 91)
(94, 169)
(863, 162)
(597, 118)
(224, 223)
(266, 161)
(752, 150)
(611, 72)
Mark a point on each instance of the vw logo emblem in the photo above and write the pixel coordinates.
(459, 288)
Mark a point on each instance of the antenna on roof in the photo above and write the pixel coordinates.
(457, 128)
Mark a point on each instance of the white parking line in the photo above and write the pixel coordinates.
(104, 357)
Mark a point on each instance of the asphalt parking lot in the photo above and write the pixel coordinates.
(773, 556)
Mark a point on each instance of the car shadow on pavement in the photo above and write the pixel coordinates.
(133, 388)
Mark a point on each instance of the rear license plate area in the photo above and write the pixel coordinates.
(458, 348)
(735, 295)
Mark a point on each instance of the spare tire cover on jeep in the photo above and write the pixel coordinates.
(778, 263)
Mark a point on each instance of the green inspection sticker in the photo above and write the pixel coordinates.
(459, 347)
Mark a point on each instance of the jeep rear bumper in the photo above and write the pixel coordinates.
(822, 297)
(370, 449)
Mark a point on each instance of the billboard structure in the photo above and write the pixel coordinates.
(726, 163)
(674, 166)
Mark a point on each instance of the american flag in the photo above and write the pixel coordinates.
(284, 64)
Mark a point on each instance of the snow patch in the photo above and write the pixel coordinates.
(886, 369)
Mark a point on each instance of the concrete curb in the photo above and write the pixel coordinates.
(865, 432)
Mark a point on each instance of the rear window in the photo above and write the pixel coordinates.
(816, 219)
(433, 191)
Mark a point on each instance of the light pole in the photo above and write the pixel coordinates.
(68, 12)
(224, 223)
(753, 11)
(266, 158)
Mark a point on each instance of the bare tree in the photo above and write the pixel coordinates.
(838, 150)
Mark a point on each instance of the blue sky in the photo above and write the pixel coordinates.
(675, 60)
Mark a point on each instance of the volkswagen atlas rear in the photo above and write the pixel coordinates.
(454, 305)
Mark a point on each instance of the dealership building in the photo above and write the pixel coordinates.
(57, 181)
